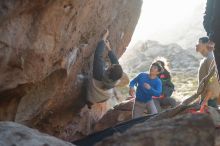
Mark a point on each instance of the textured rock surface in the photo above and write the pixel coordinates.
(118, 114)
(185, 130)
(46, 47)
(217, 137)
(87, 119)
(15, 134)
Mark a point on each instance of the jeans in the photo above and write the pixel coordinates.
(140, 109)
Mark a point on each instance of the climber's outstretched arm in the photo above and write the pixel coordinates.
(98, 62)
(113, 58)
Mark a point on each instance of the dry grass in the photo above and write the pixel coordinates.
(185, 85)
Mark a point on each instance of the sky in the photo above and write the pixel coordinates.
(170, 21)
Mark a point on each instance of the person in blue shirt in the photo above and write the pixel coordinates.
(148, 85)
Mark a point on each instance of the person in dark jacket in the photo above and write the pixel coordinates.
(165, 98)
(211, 24)
(101, 86)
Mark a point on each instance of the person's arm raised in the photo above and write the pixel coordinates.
(98, 62)
(113, 58)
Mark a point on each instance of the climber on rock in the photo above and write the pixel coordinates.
(148, 85)
(101, 86)
(212, 90)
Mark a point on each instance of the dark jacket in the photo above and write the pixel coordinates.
(167, 85)
(212, 26)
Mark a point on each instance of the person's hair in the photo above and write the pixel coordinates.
(115, 72)
(163, 62)
(158, 65)
(204, 39)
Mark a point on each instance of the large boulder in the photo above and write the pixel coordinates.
(46, 50)
(12, 134)
(118, 114)
(184, 130)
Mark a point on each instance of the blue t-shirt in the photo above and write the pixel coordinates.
(143, 94)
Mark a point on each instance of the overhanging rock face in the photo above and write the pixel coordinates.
(46, 48)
